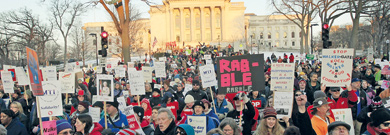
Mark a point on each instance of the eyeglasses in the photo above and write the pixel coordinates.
(387, 124)
(335, 90)
(180, 133)
(67, 133)
(297, 95)
(195, 85)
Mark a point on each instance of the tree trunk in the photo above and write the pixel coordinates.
(354, 33)
(125, 42)
(301, 36)
(65, 51)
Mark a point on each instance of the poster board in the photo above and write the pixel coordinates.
(344, 115)
(105, 85)
(137, 85)
(33, 72)
(21, 76)
(337, 67)
(49, 127)
(283, 102)
(207, 57)
(187, 87)
(198, 123)
(94, 112)
(133, 124)
(282, 75)
(385, 84)
(13, 74)
(147, 72)
(8, 83)
(51, 73)
(159, 68)
(67, 80)
(122, 103)
(51, 101)
(120, 71)
(207, 74)
(240, 73)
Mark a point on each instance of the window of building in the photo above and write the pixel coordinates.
(277, 44)
(198, 37)
(177, 38)
(261, 35)
(285, 43)
(292, 27)
(277, 35)
(269, 28)
(117, 41)
(197, 20)
(269, 43)
(207, 19)
(261, 29)
(269, 35)
(208, 36)
(285, 35)
(218, 18)
(188, 37)
(292, 34)
(293, 43)
(188, 21)
(285, 28)
(177, 21)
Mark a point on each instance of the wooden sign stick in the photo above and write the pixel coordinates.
(25, 93)
(212, 98)
(105, 115)
(139, 104)
(10, 97)
(66, 98)
(39, 113)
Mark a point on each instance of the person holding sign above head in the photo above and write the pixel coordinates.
(116, 120)
(269, 125)
(320, 119)
(340, 101)
(166, 122)
(11, 123)
(85, 126)
(243, 104)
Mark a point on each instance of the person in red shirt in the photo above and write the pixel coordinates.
(145, 104)
(340, 101)
(187, 110)
(170, 103)
(291, 58)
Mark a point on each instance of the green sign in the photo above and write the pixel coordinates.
(310, 56)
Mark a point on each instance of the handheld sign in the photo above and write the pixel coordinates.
(159, 68)
(147, 71)
(137, 85)
(337, 67)
(8, 84)
(240, 73)
(13, 74)
(282, 75)
(51, 101)
(94, 113)
(133, 124)
(283, 102)
(207, 74)
(51, 73)
(105, 87)
(49, 127)
(33, 71)
(198, 123)
(67, 80)
(344, 115)
(122, 103)
(256, 103)
(21, 76)
(120, 72)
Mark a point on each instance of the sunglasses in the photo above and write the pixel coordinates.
(386, 124)
(180, 133)
(335, 90)
(297, 95)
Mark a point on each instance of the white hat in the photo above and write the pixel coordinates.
(189, 99)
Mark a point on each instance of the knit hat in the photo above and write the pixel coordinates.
(338, 123)
(269, 112)
(302, 80)
(139, 111)
(62, 124)
(377, 66)
(115, 103)
(98, 104)
(196, 82)
(379, 116)
(318, 102)
(156, 90)
(145, 100)
(302, 73)
(189, 79)
(85, 104)
(319, 94)
(376, 104)
(355, 80)
(80, 92)
(9, 113)
(205, 101)
(198, 102)
(189, 99)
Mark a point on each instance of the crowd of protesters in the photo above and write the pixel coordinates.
(164, 108)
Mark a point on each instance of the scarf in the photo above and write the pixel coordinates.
(373, 130)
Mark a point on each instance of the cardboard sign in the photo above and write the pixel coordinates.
(337, 67)
(67, 80)
(159, 68)
(133, 123)
(283, 102)
(137, 85)
(256, 103)
(50, 73)
(49, 127)
(105, 88)
(13, 74)
(198, 123)
(147, 72)
(120, 72)
(240, 73)
(21, 76)
(94, 112)
(122, 103)
(282, 75)
(33, 72)
(51, 101)
(8, 83)
(344, 115)
(207, 74)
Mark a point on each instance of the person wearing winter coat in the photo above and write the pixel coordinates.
(166, 123)
(341, 100)
(147, 129)
(380, 124)
(18, 110)
(210, 112)
(156, 98)
(85, 126)
(248, 112)
(145, 104)
(222, 106)
(116, 120)
(12, 124)
(170, 103)
(184, 129)
(199, 108)
(196, 92)
(364, 116)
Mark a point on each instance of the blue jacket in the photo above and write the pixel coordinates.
(223, 109)
(16, 128)
(215, 118)
(210, 122)
(119, 122)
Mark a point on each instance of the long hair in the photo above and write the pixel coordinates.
(263, 130)
(87, 119)
(19, 106)
(232, 124)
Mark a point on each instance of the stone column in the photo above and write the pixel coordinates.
(192, 24)
(202, 25)
(182, 24)
(172, 25)
(223, 26)
(212, 21)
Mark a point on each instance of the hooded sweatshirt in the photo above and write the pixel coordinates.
(187, 128)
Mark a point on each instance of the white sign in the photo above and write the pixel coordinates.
(8, 83)
(147, 71)
(209, 61)
(159, 68)
(162, 59)
(51, 73)
(120, 72)
(337, 67)
(344, 115)
(187, 88)
(94, 112)
(94, 99)
(67, 80)
(68, 67)
(137, 85)
(21, 76)
(370, 55)
(122, 103)
(282, 75)
(207, 74)
(207, 57)
(51, 102)
(99, 69)
(283, 102)
(105, 85)
(198, 123)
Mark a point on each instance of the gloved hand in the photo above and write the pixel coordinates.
(221, 116)
(242, 96)
(107, 131)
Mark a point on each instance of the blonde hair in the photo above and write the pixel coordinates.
(19, 106)
(263, 130)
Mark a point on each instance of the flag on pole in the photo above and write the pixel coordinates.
(154, 42)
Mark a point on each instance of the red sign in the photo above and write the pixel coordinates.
(256, 103)
(13, 74)
(77, 63)
(133, 124)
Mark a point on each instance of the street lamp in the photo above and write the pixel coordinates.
(251, 43)
(95, 42)
(311, 36)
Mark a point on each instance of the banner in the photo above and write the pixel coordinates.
(21, 76)
(344, 115)
(283, 102)
(49, 127)
(207, 74)
(159, 68)
(198, 123)
(94, 112)
(33, 72)
(147, 71)
(337, 67)
(137, 85)
(120, 72)
(241, 73)
(105, 85)
(282, 75)
(8, 84)
(51, 102)
(67, 80)
(133, 124)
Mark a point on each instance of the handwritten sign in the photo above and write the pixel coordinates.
(51, 73)
(67, 80)
(240, 73)
(283, 102)
(120, 72)
(105, 85)
(94, 112)
(122, 103)
(51, 101)
(21, 76)
(282, 75)
(8, 83)
(337, 67)
(34, 72)
(137, 85)
(159, 68)
(49, 127)
(147, 71)
(207, 74)
(198, 123)
(344, 115)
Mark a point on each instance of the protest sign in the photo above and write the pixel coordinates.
(159, 68)
(344, 115)
(198, 123)
(209, 62)
(122, 103)
(44, 74)
(157, 86)
(105, 87)
(240, 73)
(337, 67)
(51, 73)
(99, 69)
(207, 74)
(385, 70)
(162, 59)
(13, 74)
(133, 124)
(33, 72)
(282, 75)
(8, 84)
(78, 74)
(51, 101)
(69, 67)
(187, 87)
(370, 55)
(67, 81)
(256, 103)
(21, 76)
(385, 84)
(125, 94)
(130, 64)
(94, 112)
(120, 72)
(137, 85)
(283, 102)
(94, 99)
(49, 127)
(207, 57)
(377, 61)
(147, 71)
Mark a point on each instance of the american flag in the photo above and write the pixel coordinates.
(154, 42)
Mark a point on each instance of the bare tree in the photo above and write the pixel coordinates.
(53, 51)
(380, 25)
(330, 10)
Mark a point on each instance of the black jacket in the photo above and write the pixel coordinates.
(169, 131)
(248, 115)
(197, 94)
(310, 91)
(148, 130)
(16, 128)
(303, 122)
(154, 101)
